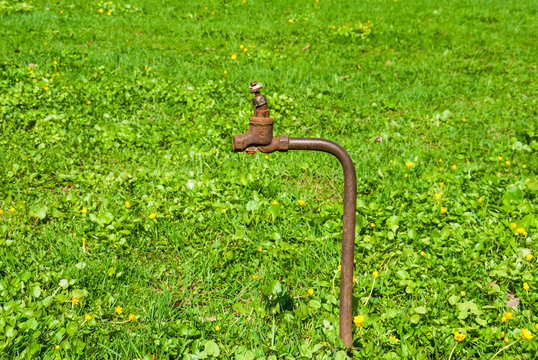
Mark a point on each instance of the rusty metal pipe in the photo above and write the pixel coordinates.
(348, 234)
(259, 137)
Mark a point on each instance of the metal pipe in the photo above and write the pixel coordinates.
(260, 137)
(348, 233)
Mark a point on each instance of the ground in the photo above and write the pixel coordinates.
(129, 229)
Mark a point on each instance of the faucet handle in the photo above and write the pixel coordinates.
(255, 87)
(259, 100)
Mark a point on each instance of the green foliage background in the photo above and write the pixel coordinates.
(140, 106)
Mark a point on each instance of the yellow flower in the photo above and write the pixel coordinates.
(437, 196)
(101, 11)
(443, 210)
(502, 334)
(402, 205)
(409, 164)
(440, 160)
(339, 267)
(301, 202)
(442, 184)
(459, 336)
(127, 204)
(217, 328)
(46, 88)
(480, 200)
(274, 202)
(422, 253)
(89, 102)
(75, 301)
(358, 320)
(507, 163)
(241, 46)
(499, 158)
(152, 215)
(503, 319)
(132, 317)
(391, 161)
(375, 274)
(453, 167)
(310, 291)
(463, 293)
(255, 277)
(526, 334)
(524, 166)
(260, 249)
(394, 338)
(354, 279)
(87, 317)
(529, 256)
(234, 56)
(290, 20)
(1, 211)
(508, 315)
(84, 210)
(521, 231)
(12, 209)
(464, 120)
(505, 339)
(372, 225)
(225, 72)
(118, 310)
(526, 286)
(514, 225)
(245, 49)
(406, 175)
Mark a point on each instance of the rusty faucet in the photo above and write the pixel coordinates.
(259, 137)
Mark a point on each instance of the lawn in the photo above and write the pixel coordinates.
(130, 230)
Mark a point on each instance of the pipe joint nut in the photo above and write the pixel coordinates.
(259, 100)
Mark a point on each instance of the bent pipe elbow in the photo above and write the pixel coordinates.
(348, 233)
(260, 141)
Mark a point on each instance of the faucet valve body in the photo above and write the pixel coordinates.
(260, 132)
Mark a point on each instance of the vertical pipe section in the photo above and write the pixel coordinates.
(348, 235)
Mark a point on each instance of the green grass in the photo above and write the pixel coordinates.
(143, 110)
